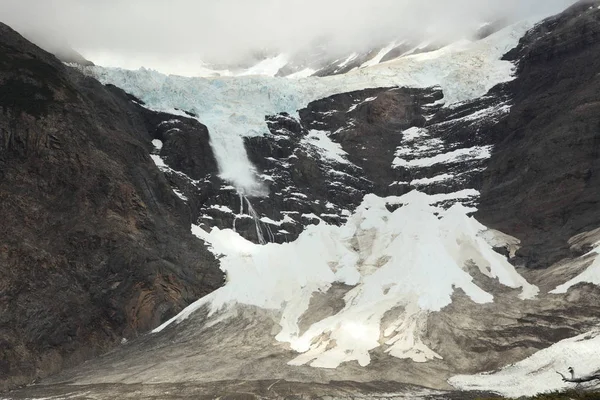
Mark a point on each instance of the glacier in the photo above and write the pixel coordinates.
(387, 258)
(235, 107)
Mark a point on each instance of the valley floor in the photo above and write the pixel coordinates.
(270, 389)
(230, 390)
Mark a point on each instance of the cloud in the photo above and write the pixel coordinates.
(226, 31)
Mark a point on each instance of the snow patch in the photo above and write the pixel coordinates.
(472, 153)
(158, 144)
(268, 67)
(327, 147)
(429, 181)
(223, 209)
(305, 73)
(411, 134)
(355, 106)
(537, 374)
(158, 161)
(348, 60)
(590, 275)
(379, 56)
(180, 195)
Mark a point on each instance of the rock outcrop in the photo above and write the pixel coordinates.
(318, 167)
(542, 184)
(94, 244)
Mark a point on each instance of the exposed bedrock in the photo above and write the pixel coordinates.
(542, 183)
(94, 244)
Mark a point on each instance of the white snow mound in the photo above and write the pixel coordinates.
(590, 275)
(407, 262)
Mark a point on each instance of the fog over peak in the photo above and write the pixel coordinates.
(131, 33)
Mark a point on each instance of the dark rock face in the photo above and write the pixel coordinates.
(70, 56)
(318, 167)
(94, 244)
(186, 145)
(60, 48)
(369, 125)
(542, 184)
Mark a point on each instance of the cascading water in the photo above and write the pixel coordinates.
(257, 222)
(234, 165)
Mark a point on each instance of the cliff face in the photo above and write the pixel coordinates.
(94, 244)
(542, 184)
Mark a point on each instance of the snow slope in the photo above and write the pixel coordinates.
(591, 274)
(537, 374)
(234, 107)
(388, 258)
(268, 67)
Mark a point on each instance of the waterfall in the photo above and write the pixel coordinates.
(234, 165)
(257, 222)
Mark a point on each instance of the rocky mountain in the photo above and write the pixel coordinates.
(393, 232)
(95, 245)
(549, 142)
(59, 48)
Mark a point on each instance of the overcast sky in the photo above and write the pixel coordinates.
(126, 31)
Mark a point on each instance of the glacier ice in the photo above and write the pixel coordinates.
(235, 107)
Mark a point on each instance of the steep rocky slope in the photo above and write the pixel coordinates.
(94, 244)
(543, 183)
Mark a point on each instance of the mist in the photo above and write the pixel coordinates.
(131, 33)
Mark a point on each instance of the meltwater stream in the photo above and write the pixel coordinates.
(260, 234)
